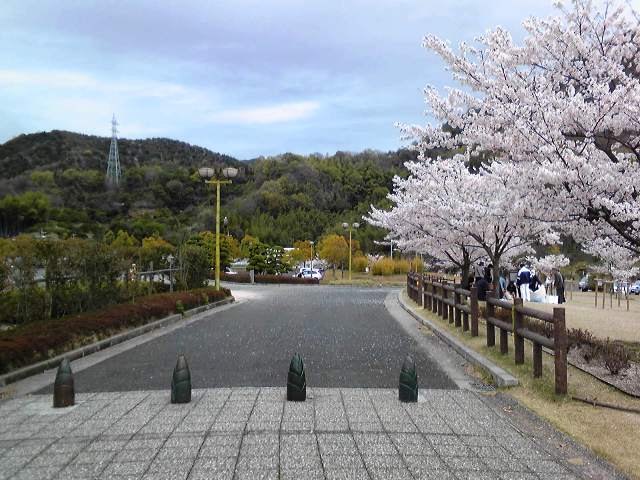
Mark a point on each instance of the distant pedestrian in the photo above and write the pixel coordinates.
(558, 283)
(502, 284)
(512, 290)
(524, 277)
(482, 286)
(488, 273)
(478, 271)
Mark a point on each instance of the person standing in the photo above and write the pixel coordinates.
(524, 277)
(478, 271)
(502, 284)
(558, 283)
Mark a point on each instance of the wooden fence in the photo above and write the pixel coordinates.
(460, 307)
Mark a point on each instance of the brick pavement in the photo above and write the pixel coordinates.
(253, 433)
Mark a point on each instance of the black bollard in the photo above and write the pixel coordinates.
(296, 380)
(63, 389)
(408, 387)
(181, 382)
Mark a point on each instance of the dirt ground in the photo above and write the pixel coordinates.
(612, 321)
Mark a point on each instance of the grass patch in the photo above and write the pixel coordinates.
(611, 434)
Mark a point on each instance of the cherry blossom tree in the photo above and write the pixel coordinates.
(445, 209)
(547, 263)
(562, 109)
(619, 262)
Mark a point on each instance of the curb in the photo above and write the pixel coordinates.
(53, 362)
(500, 376)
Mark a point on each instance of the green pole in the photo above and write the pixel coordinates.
(217, 235)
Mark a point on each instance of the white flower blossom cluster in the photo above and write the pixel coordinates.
(557, 117)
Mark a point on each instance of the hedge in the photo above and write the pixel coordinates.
(245, 278)
(37, 341)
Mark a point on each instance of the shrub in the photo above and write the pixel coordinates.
(591, 351)
(615, 356)
(37, 341)
(384, 266)
(179, 307)
(400, 266)
(359, 263)
(579, 337)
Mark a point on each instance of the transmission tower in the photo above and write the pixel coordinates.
(113, 165)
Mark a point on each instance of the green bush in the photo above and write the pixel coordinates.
(33, 342)
(384, 266)
(360, 263)
(400, 266)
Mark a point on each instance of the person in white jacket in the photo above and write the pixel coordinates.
(524, 277)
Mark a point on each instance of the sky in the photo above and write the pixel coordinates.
(245, 78)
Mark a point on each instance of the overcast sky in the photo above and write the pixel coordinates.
(246, 78)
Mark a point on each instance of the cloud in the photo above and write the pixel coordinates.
(285, 112)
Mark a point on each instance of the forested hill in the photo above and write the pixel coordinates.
(55, 181)
(59, 149)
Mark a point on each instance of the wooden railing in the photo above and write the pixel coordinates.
(460, 307)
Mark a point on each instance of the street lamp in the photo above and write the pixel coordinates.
(208, 173)
(170, 258)
(349, 226)
(311, 242)
(225, 222)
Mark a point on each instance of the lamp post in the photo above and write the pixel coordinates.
(311, 242)
(170, 258)
(208, 173)
(349, 226)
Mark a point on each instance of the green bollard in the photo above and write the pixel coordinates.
(296, 380)
(63, 389)
(408, 387)
(181, 382)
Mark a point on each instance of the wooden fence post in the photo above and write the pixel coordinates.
(445, 307)
(560, 350)
(457, 312)
(474, 311)
(434, 300)
(420, 290)
(490, 312)
(518, 341)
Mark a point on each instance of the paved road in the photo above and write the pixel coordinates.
(346, 337)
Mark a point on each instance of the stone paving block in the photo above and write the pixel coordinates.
(518, 476)
(383, 462)
(215, 464)
(544, 466)
(228, 427)
(127, 468)
(271, 474)
(307, 474)
(161, 464)
(464, 463)
(82, 471)
(257, 463)
(40, 473)
(93, 457)
(374, 444)
(389, 473)
(342, 462)
(180, 440)
(420, 464)
(358, 474)
(472, 475)
(53, 459)
(197, 474)
(337, 444)
(135, 455)
(411, 444)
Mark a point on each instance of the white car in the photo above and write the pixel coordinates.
(309, 273)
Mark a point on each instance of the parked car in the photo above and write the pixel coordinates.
(309, 273)
(587, 283)
(635, 287)
(228, 271)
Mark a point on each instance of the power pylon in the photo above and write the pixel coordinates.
(113, 165)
